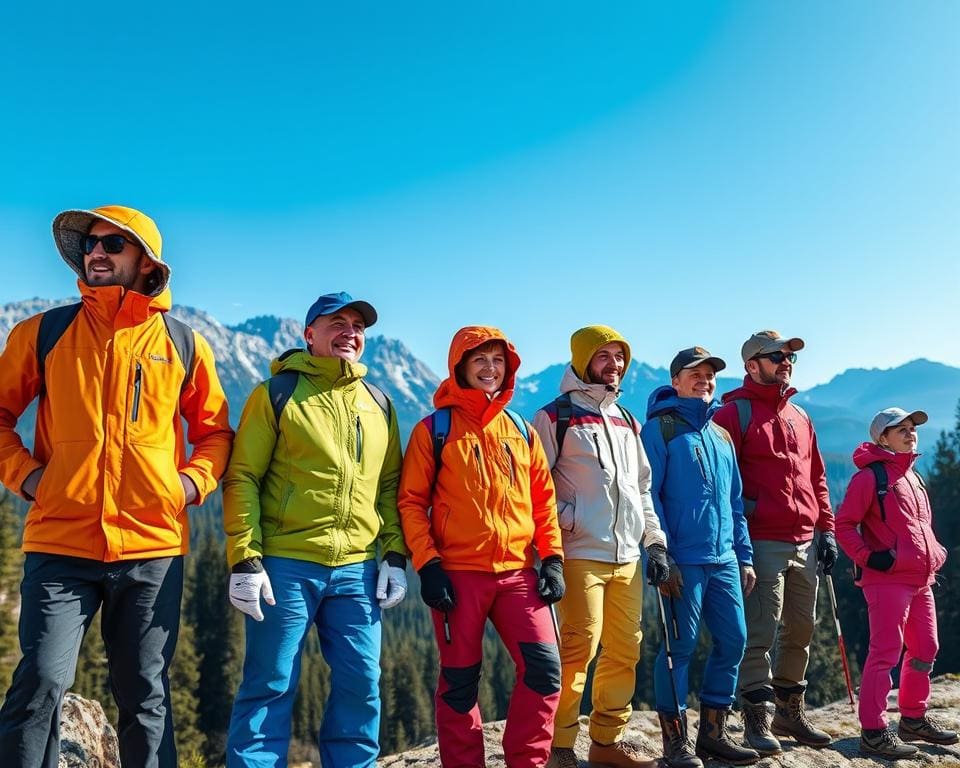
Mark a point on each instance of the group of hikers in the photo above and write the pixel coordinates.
(549, 530)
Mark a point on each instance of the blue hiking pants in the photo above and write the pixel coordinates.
(341, 603)
(140, 620)
(711, 593)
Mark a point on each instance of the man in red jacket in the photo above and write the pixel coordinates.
(786, 502)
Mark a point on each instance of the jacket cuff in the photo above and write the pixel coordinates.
(27, 469)
(199, 481)
(395, 560)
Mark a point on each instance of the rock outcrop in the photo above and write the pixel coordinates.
(87, 740)
(837, 719)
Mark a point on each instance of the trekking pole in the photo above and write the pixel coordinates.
(556, 624)
(669, 654)
(446, 627)
(843, 646)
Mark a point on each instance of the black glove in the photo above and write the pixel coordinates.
(436, 589)
(881, 561)
(827, 552)
(658, 570)
(550, 584)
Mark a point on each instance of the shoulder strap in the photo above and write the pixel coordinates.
(439, 431)
(744, 412)
(281, 387)
(629, 418)
(380, 396)
(53, 323)
(181, 335)
(668, 427)
(564, 412)
(521, 424)
(880, 475)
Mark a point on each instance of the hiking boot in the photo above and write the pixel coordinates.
(562, 757)
(885, 743)
(714, 741)
(756, 727)
(620, 754)
(790, 719)
(925, 729)
(677, 747)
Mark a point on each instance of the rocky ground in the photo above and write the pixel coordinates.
(837, 719)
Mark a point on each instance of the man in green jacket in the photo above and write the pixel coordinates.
(310, 495)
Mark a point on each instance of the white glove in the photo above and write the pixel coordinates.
(391, 585)
(246, 589)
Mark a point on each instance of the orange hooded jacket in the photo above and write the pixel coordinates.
(112, 448)
(494, 497)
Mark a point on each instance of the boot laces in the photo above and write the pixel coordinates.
(797, 711)
(890, 738)
(679, 739)
(756, 717)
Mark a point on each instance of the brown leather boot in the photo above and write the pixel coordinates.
(791, 721)
(756, 727)
(620, 754)
(677, 747)
(714, 741)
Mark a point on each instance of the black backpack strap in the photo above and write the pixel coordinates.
(564, 412)
(53, 323)
(281, 388)
(382, 400)
(183, 340)
(629, 418)
(744, 413)
(668, 427)
(880, 475)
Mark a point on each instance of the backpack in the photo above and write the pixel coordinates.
(883, 485)
(54, 322)
(281, 387)
(438, 423)
(565, 412)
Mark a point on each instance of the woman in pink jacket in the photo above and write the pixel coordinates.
(885, 526)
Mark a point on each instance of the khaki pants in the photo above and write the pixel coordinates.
(602, 605)
(785, 594)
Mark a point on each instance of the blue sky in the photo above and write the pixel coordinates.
(685, 172)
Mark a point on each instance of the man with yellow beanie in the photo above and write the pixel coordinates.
(109, 480)
(606, 513)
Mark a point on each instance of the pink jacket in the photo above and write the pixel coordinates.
(908, 528)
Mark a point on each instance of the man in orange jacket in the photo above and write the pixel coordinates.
(109, 481)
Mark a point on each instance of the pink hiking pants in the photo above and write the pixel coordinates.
(900, 615)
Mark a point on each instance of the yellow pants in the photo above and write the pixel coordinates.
(601, 607)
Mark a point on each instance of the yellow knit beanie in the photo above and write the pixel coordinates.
(585, 343)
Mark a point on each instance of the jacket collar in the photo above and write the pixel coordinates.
(120, 308)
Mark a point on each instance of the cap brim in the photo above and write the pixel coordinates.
(366, 310)
(715, 362)
(917, 417)
(775, 345)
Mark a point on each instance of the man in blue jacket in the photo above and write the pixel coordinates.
(696, 493)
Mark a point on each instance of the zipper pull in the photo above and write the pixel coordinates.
(513, 468)
(359, 439)
(137, 381)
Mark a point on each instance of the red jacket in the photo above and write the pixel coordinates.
(785, 492)
(908, 527)
(494, 499)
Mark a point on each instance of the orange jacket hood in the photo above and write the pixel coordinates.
(450, 394)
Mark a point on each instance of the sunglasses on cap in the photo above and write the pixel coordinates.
(778, 357)
(111, 243)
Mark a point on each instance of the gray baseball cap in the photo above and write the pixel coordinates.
(691, 358)
(765, 342)
(890, 417)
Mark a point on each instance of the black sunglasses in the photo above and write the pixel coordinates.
(778, 357)
(111, 243)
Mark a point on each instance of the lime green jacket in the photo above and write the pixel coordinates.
(322, 484)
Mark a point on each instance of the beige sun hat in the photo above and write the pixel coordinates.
(70, 227)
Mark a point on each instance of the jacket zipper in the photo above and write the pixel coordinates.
(137, 379)
(359, 439)
(596, 442)
(476, 454)
(513, 468)
(703, 469)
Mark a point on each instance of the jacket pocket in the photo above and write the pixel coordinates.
(288, 490)
(567, 516)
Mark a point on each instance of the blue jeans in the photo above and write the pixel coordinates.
(342, 605)
(711, 593)
(140, 619)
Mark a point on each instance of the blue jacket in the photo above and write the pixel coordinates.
(696, 483)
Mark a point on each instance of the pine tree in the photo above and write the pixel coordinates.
(184, 684)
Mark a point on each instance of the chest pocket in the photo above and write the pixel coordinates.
(154, 384)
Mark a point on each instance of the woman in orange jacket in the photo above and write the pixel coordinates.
(472, 521)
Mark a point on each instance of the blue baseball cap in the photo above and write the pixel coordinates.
(334, 302)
